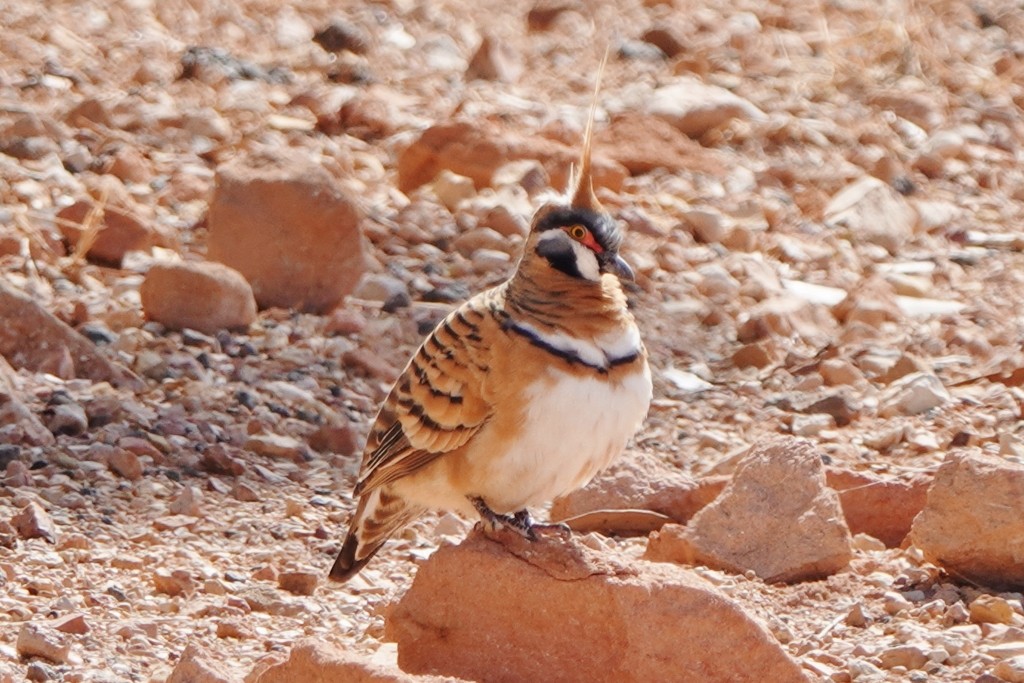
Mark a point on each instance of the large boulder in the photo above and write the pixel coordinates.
(776, 517)
(283, 222)
(556, 610)
(973, 522)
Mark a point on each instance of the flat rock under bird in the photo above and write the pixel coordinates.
(518, 396)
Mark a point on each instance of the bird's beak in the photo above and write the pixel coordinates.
(611, 262)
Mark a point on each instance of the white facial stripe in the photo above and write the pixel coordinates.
(586, 261)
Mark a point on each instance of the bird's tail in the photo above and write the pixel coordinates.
(379, 514)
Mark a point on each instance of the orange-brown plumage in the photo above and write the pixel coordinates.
(519, 395)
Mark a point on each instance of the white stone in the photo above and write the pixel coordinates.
(913, 394)
(380, 287)
(916, 307)
(451, 189)
(487, 260)
(815, 294)
(695, 108)
(707, 225)
(716, 283)
(686, 382)
(871, 211)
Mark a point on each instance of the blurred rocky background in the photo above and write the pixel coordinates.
(225, 226)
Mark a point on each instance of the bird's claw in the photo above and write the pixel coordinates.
(521, 522)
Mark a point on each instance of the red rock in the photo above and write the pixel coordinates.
(245, 493)
(476, 150)
(840, 372)
(30, 335)
(776, 517)
(369, 362)
(125, 463)
(203, 296)
(973, 522)
(140, 446)
(340, 438)
(37, 640)
(755, 355)
(221, 459)
(341, 35)
(666, 39)
(34, 522)
(637, 480)
(129, 164)
(642, 143)
(266, 573)
(368, 116)
(543, 15)
(72, 623)
(196, 665)
(314, 660)
(90, 110)
(284, 223)
(234, 628)
(555, 610)
(298, 582)
(121, 229)
(883, 507)
(177, 582)
(277, 446)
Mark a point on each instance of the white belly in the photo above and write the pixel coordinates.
(573, 428)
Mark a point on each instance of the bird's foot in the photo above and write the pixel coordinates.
(491, 521)
(521, 522)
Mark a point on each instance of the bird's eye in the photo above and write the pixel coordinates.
(578, 233)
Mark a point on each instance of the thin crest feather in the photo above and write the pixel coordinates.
(582, 181)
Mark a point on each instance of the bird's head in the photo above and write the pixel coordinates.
(579, 241)
(576, 236)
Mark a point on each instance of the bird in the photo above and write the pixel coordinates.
(521, 394)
